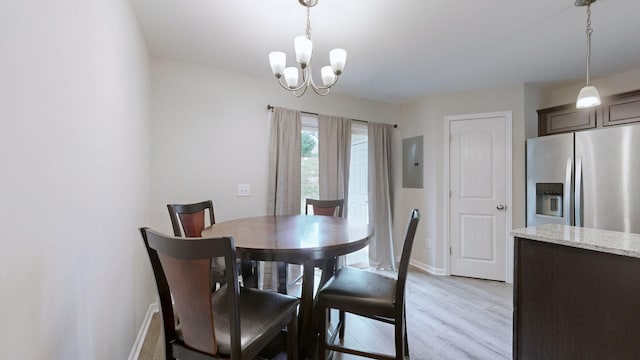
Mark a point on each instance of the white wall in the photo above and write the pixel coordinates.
(80, 169)
(426, 116)
(74, 170)
(532, 102)
(210, 132)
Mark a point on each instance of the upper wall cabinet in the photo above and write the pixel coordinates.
(615, 110)
(565, 118)
(621, 109)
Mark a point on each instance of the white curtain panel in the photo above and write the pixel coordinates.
(381, 196)
(283, 190)
(334, 151)
(284, 163)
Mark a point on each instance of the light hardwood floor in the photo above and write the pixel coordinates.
(449, 318)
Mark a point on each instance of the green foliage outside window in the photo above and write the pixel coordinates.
(308, 144)
(309, 167)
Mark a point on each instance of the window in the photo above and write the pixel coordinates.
(309, 167)
(358, 172)
(359, 186)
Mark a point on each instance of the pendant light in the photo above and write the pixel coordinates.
(588, 96)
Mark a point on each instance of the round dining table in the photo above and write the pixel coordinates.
(298, 239)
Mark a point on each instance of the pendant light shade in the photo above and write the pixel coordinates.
(588, 96)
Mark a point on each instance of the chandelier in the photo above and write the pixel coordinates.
(304, 50)
(588, 96)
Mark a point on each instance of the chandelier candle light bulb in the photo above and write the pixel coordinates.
(337, 59)
(278, 61)
(328, 75)
(303, 47)
(291, 77)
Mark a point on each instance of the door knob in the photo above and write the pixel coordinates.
(501, 207)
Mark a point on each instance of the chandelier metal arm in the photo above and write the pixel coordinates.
(318, 89)
(286, 87)
(307, 81)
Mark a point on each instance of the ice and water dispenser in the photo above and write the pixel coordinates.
(549, 199)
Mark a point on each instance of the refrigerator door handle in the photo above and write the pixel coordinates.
(567, 194)
(578, 195)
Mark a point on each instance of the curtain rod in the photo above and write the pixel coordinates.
(270, 107)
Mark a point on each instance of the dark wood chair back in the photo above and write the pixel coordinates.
(188, 220)
(319, 207)
(371, 295)
(182, 268)
(325, 207)
(403, 269)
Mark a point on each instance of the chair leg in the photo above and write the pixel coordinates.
(322, 330)
(406, 337)
(328, 270)
(292, 338)
(341, 318)
(400, 338)
(282, 277)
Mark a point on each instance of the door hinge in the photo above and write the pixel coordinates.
(450, 251)
(449, 194)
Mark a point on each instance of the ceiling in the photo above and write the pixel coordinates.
(404, 49)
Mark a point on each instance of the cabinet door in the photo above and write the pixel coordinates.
(621, 109)
(565, 118)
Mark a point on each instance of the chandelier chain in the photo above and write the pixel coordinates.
(308, 22)
(588, 32)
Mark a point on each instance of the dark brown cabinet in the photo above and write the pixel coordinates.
(621, 109)
(565, 118)
(617, 109)
(572, 303)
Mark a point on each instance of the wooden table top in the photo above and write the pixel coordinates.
(293, 238)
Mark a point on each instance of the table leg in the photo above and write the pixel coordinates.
(307, 333)
(327, 271)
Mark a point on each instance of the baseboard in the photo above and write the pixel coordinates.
(142, 333)
(427, 268)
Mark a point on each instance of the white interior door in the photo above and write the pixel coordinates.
(478, 196)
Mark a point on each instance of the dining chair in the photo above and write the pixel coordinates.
(189, 220)
(370, 295)
(324, 207)
(232, 322)
(318, 207)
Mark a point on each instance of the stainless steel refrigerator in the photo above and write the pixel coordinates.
(587, 178)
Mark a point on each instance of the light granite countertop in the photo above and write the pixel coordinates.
(613, 242)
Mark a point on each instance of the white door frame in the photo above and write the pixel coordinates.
(508, 115)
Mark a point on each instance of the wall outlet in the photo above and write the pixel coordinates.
(429, 243)
(244, 190)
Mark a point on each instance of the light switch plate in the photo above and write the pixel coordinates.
(244, 189)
